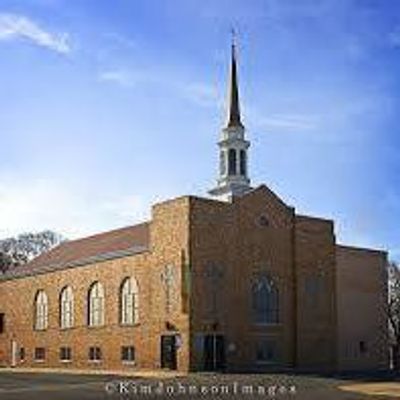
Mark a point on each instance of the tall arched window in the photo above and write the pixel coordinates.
(265, 301)
(129, 301)
(243, 162)
(96, 305)
(232, 162)
(66, 308)
(41, 310)
(222, 163)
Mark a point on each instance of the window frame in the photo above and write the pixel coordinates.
(65, 354)
(41, 311)
(223, 170)
(265, 311)
(22, 354)
(129, 351)
(66, 318)
(96, 305)
(37, 351)
(129, 302)
(243, 162)
(95, 354)
(232, 162)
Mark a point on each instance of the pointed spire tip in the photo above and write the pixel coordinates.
(233, 95)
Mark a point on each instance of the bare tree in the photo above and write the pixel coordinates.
(23, 248)
(5, 262)
(394, 312)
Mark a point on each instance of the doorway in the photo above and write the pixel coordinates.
(168, 351)
(214, 353)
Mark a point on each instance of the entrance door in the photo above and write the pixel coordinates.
(168, 352)
(214, 352)
(14, 353)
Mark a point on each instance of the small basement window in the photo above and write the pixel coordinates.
(22, 354)
(40, 354)
(65, 354)
(128, 353)
(94, 354)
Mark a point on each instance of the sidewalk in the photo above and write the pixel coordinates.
(138, 373)
(391, 389)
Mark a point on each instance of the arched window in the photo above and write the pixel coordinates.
(66, 308)
(96, 305)
(265, 299)
(222, 163)
(41, 310)
(243, 162)
(232, 162)
(129, 301)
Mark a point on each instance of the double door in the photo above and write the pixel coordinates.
(214, 352)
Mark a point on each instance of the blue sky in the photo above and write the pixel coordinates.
(106, 107)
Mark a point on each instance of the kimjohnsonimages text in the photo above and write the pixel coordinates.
(132, 388)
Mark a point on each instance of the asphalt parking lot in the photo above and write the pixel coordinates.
(34, 386)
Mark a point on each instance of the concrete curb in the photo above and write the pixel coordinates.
(140, 373)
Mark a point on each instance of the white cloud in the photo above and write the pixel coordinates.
(35, 205)
(287, 122)
(13, 26)
(200, 93)
(120, 77)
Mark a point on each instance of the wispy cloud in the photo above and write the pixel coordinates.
(198, 92)
(13, 26)
(31, 205)
(287, 122)
(119, 77)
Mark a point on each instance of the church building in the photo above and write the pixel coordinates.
(236, 280)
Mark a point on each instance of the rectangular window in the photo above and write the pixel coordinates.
(40, 354)
(95, 354)
(128, 353)
(22, 354)
(65, 354)
(266, 351)
(2, 322)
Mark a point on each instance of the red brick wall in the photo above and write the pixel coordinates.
(231, 236)
(316, 293)
(169, 237)
(362, 308)
(297, 252)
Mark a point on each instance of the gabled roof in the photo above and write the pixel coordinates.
(107, 245)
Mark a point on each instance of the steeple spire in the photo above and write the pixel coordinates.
(233, 93)
(233, 179)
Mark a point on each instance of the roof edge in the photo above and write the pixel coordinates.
(44, 269)
(360, 248)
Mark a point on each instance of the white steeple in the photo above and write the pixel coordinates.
(233, 175)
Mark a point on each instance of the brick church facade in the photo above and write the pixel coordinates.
(238, 281)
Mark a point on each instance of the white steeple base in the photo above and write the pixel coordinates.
(229, 191)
